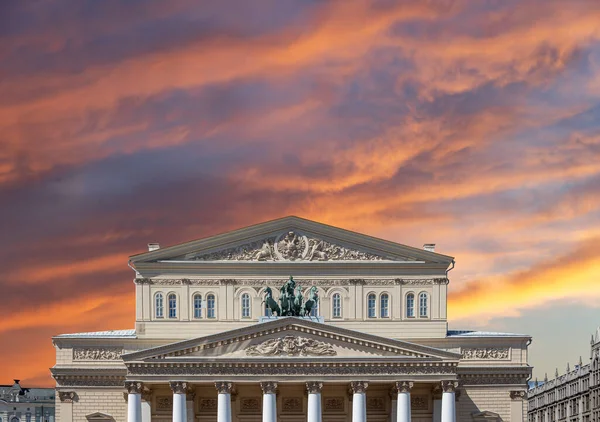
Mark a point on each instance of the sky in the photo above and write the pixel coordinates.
(471, 125)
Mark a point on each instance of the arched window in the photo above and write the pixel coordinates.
(158, 306)
(336, 305)
(410, 305)
(423, 304)
(384, 301)
(197, 306)
(371, 306)
(172, 305)
(210, 306)
(245, 305)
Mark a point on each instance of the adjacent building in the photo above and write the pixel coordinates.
(19, 404)
(573, 396)
(375, 346)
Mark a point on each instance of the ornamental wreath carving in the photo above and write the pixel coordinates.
(211, 282)
(291, 346)
(492, 353)
(99, 353)
(288, 246)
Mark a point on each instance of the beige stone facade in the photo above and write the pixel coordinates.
(380, 336)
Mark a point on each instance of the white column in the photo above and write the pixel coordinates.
(66, 405)
(224, 401)
(449, 401)
(134, 401)
(179, 408)
(314, 401)
(269, 389)
(517, 401)
(403, 412)
(359, 400)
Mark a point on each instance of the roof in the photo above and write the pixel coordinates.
(101, 334)
(469, 333)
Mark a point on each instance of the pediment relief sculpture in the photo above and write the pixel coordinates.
(288, 246)
(291, 346)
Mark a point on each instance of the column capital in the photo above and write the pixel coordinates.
(358, 387)
(178, 387)
(404, 386)
(314, 387)
(67, 396)
(224, 387)
(268, 387)
(449, 386)
(517, 394)
(134, 387)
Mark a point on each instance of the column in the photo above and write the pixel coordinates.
(146, 405)
(448, 401)
(179, 408)
(189, 405)
(517, 400)
(359, 400)
(403, 412)
(223, 401)
(394, 398)
(437, 403)
(66, 405)
(269, 389)
(314, 401)
(134, 401)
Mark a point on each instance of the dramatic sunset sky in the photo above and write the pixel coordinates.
(474, 125)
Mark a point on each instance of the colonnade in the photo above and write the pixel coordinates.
(401, 412)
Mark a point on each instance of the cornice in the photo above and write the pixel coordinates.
(211, 282)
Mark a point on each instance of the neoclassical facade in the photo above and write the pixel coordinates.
(573, 396)
(376, 347)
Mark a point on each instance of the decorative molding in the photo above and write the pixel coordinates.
(288, 246)
(178, 387)
(291, 404)
(97, 353)
(494, 379)
(251, 282)
(223, 387)
(359, 387)
(333, 404)
(134, 387)
(291, 346)
(250, 404)
(376, 404)
(449, 386)
(518, 394)
(404, 386)
(290, 369)
(164, 403)
(269, 387)
(67, 396)
(314, 387)
(89, 381)
(419, 402)
(487, 353)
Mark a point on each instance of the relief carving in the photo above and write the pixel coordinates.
(67, 396)
(307, 282)
(376, 404)
(518, 395)
(97, 353)
(164, 403)
(291, 346)
(419, 402)
(289, 246)
(250, 404)
(208, 404)
(492, 353)
(291, 404)
(334, 404)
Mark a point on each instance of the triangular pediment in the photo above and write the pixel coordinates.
(98, 416)
(486, 415)
(291, 338)
(291, 239)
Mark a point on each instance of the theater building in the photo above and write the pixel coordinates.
(375, 346)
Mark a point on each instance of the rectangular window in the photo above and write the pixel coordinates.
(197, 306)
(410, 305)
(245, 305)
(210, 306)
(371, 306)
(337, 305)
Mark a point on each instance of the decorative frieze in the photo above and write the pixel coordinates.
(208, 404)
(486, 353)
(333, 404)
(67, 396)
(97, 353)
(359, 387)
(89, 380)
(250, 404)
(291, 404)
(291, 346)
(314, 387)
(268, 387)
(489, 379)
(419, 402)
(376, 404)
(306, 282)
(164, 403)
